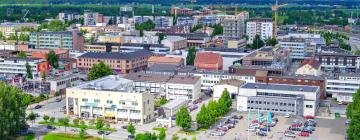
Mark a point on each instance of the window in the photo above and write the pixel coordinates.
(96, 100)
(109, 101)
(85, 100)
(122, 102)
(309, 106)
(134, 103)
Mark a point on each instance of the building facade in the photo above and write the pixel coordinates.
(115, 101)
(343, 86)
(69, 40)
(18, 66)
(278, 98)
(234, 26)
(120, 62)
(262, 27)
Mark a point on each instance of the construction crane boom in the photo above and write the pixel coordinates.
(275, 8)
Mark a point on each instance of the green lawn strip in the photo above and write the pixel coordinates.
(79, 126)
(65, 136)
(189, 132)
(159, 128)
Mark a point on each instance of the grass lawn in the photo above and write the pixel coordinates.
(159, 128)
(63, 136)
(26, 137)
(189, 133)
(78, 126)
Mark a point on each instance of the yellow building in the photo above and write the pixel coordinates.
(111, 97)
(111, 38)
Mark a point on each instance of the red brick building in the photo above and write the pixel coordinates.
(208, 61)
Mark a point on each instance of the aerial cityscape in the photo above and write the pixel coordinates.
(179, 70)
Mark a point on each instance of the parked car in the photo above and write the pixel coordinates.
(275, 119)
(217, 133)
(238, 117)
(25, 132)
(309, 117)
(101, 132)
(251, 129)
(310, 128)
(265, 129)
(307, 130)
(192, 107)
(51, 127)
(223, 128)
(232, 121)
(74, 130)
(294, 128)
(304, 134)
(131, 136)
(37, 107)
(124, 127)
(296, 125)
(287, 115)
(347, 122)
(107, 132)
(256, 125)
(58, 99)
(270, 124)
(289, 134)
(230, 125)
(261, 133)
(310, 124)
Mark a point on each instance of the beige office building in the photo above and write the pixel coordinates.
(111, 97)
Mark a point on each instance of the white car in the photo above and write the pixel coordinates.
(255, 125)
(217, 133)
(251, 129)
(287, 116)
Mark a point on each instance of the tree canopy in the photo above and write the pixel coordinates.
(29, 73)
(353, 113)
(53, 59)
(99, 70)
(12, 107)
(190, 58)
(183, 118)
(257, 42)
(218, 29)
(131, 129)
(21, 54)
(146, 136)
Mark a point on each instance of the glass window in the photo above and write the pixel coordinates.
(84, 100)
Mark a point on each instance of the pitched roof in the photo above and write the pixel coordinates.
(117, 55)
(207, 58)
(164, 59)
(312, 62)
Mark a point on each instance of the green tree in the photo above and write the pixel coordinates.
(203, 117)
(91, 122)
(183, 119)
(183, 139)
(43, 75)
(46, 118)
(175, 137)
(193, 138)
(32, 118)
(162, 134)
(146, 136)
(64, 122)
(148, 25)
(13, 104)
(353, 113)
(190, 58)
(76, 122)
(82, 133)
(160, 102)
(271, 42)
(99, 70)
(161, 37)
(196, 27)
(345, 46)
(52, 119)
(131, 129)
(53, 59)
(2, 37)
(257, 42)
(29, 74)
(13, 36)
(218, 29)
(82, 124)
(225, 102)
(24, 37)
(99, 123)
(56, 25)
(21, 54)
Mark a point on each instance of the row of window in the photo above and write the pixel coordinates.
(271, 109)
(121, 102)
(271, 103)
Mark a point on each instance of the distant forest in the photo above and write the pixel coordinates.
(350, 3)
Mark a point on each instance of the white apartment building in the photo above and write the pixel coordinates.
(175, 43)
(298, 47)
(343, 87)
(183, 87)
(210, 78)
(162, 22)
(17, 66)
(59, 83)
(262, 27)
(152, 83)
(111, 97)
(279, 98)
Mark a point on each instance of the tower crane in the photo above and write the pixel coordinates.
(275, 8)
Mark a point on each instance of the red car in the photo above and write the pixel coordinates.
(304, 134)
(296, 125)
(256, 121)
(309, 117)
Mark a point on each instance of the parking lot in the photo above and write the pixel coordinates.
(326, 129)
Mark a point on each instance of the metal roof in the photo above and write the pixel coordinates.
(282, 87)
(117, 55)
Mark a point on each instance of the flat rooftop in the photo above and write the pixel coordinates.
(174, 103)
(107, 83)
(282, 87)
(147, 77)
(179, 79)
(117, 55)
